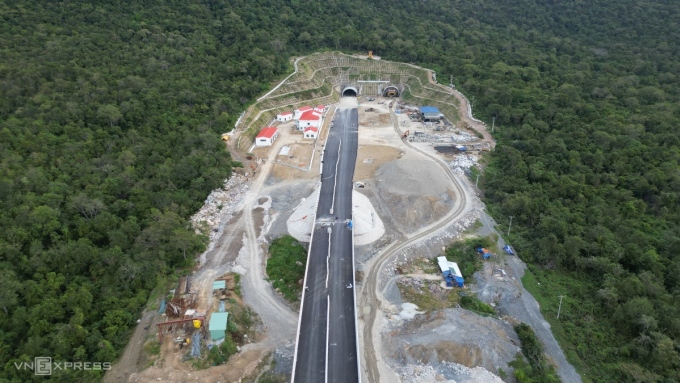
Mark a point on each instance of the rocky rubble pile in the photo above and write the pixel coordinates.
(462, 162)
(418, 374)
(416, 283)
(219, 205)
(446, 373)
(470, 375)
(463, 136)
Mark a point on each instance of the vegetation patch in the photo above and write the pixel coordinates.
(464, 254)
(537, 369)
(472, 303)
(576, 330)
(286, 266)
(220, 354)
(427, 294)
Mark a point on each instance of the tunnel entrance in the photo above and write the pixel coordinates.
(391, 91)
(349, 92)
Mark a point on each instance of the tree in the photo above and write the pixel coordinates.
(109, 113)
(9, 287)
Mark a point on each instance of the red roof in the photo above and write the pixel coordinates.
(267, 132)
(305, 108)
(313, 129)
(310, 116)
(321, 107)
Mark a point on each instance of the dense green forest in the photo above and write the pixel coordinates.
(110, 114)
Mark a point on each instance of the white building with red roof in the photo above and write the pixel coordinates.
(309, 118)
(311, 132)
(299, 111)
(267, 136)
(284, 117)
(320, 108)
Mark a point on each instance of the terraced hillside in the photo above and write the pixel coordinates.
(319, 76)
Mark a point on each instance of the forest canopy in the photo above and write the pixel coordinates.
(110, 115)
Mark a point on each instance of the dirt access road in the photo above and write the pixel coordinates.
(278, 319)
(276, 316)
(371, 297)
(525, 308)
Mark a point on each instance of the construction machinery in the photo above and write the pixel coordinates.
(403, 136)
(370, 54)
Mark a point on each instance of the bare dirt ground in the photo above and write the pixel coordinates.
(423, 204)
(454, 336)
(371, 157)
(422, 170)
(298, 155)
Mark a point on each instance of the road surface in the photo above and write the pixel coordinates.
(326, 349)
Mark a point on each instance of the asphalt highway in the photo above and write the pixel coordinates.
(326, 348)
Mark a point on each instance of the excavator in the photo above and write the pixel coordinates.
(405, 135)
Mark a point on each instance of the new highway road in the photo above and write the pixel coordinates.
(326, 349)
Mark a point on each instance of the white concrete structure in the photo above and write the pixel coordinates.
(309, 118)
(311, 132)
(284, 117)
(301, 110)
(267, 136)
(320, 108)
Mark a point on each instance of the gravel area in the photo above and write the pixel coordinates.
(412, 176)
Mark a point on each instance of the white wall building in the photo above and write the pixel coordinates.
(284, 117)
(311, 132)
(301, 110)
(309, 118)
(267, 136)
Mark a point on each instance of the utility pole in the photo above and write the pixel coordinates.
(476, 182)
(510, 226)
(560, 307)
(493, 124)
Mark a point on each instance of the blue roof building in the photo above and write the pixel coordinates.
(430, 113)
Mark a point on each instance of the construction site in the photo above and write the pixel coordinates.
(414, 195)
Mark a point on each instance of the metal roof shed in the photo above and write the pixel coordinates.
(430, 113)
(453, 266)
(443, 264)
(218, 325)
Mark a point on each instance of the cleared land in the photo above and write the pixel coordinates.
(422, 201)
